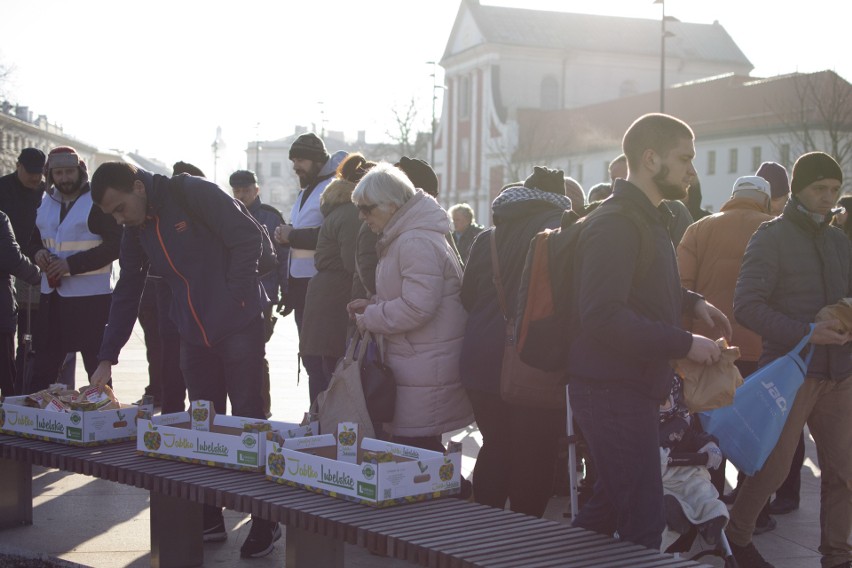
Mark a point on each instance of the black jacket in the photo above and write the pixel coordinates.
(20, 203)
(792, 268)
(516, 223)
(12, 263)
(629, 327)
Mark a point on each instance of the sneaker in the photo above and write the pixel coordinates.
(748, 557)
(764, 524)
(783, 505)
(214, 529)
(261, 539)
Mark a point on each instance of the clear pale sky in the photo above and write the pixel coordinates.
(160, 77)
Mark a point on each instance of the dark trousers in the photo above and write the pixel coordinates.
(232, 368)
(149, 319)
(26, 325)
(317, 378)
(173, 386)
(67, 325)
(517, 460)
(621, 428)
(7, 364)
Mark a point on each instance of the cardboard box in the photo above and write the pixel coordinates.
(170, 436)
(76, 427)
(414, 474)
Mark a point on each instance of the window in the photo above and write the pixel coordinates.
(756, 157)
(464, 155)
(579, 176)
(711, 162)
(732, 161)
(785, 155)
(275, 169)
(549, 93)
(464, 97)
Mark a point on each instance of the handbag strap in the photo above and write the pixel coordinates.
(796, 351)
(495, 276)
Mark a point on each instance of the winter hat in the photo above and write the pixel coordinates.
(545, 179)
(776, 175)
(242, 178)
(309, 146)
(65, 157)
(186, 168)
(752, 183)
(32, 159)
(420, 173)
(814, 166)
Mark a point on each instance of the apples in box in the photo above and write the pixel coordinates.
(386, 474)
(233, 441)
(75, 427)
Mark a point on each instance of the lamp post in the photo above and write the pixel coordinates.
(663, 36)
(435, 88)
(257, 150)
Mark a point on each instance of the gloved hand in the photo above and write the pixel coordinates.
(282, 308)
(714, 455)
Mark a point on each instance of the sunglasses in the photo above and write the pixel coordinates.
(367, 209)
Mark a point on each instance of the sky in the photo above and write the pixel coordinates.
(161, 77)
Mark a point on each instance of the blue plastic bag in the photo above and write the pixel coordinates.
(749, 428)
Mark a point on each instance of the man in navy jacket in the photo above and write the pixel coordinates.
(209, 258)
(629, 330)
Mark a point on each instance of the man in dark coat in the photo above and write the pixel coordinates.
(794, 266)
(209, 258)
(629, 328)
(12, 263)
(465, 228)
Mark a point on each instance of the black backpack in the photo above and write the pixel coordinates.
(546, 311)
(268, 261)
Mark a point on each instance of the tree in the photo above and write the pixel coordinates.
(405, 118)
(817, 114)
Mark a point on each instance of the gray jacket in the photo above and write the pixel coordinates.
(792, 268)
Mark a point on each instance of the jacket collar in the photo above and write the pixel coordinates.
(797, 214)
(741, 203)
(627, 191)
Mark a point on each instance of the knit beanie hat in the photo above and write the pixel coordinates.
(420, 173)
(65, 157)
(545, 179)
(309, 146)
(242, 178)
(776, 175)
(814, 166)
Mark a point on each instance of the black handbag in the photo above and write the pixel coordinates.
(377, 380)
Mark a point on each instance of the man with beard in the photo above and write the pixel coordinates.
(78, 243)
(315, 168)
(628, 329)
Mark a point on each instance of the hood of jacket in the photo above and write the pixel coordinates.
(331, 165)
(338, 192)
(421, 212)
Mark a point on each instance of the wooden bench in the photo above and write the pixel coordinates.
(445, 533)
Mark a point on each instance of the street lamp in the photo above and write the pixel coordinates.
(435, 88)
(663, 36)
(257, 150)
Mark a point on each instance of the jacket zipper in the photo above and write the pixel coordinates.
(185, 281)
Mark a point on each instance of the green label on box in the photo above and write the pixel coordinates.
(366, 490)
(74, 433)
(246, 458)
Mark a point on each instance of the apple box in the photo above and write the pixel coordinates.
(233, 441)
(75, 427)
(385, 474)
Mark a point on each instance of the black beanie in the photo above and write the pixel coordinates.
(545, 179)
(309, 146)
(242, 178)
(420, 173)
(812, 167)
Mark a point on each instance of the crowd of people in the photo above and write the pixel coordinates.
(368, 248)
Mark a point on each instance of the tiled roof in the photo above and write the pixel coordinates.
(584, 32)
(717, 107)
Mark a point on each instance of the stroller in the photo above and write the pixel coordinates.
(685, 541)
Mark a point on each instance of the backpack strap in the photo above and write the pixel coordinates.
(495, 275)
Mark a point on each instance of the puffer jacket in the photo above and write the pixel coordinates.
(326, 320)
(519, 213)
(793, 267)
(418, 309)
(709, 258)
(12, 263)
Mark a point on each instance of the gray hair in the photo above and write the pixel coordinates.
(383, 185)
(464, 208)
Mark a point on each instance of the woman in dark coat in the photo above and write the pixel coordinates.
(518, 453)
(326, 320)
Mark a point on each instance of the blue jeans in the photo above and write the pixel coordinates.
(621, 428)
(232, 368)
